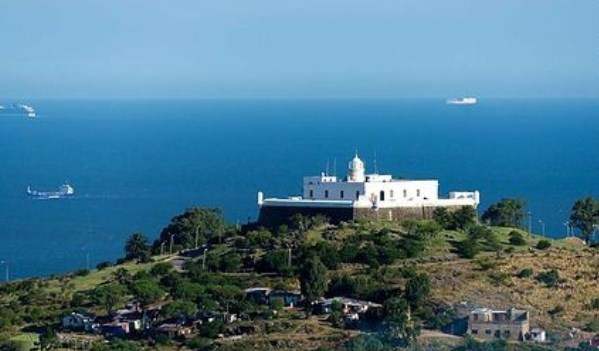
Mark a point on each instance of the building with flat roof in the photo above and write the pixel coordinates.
(512, 324)
(360, 195)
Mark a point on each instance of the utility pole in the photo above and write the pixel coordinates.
(289, 256)
(542, 227)
(171, 244)
(529, 222)
(162, 248)
(204, 259)
(197, 235)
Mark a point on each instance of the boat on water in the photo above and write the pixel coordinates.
(65, 190)
(18, 110)
(462, 101)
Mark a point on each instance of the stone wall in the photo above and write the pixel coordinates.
(276, 215)
(397, 213)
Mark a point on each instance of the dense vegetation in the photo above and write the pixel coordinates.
(362, 260)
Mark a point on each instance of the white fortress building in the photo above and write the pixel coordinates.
(361, 195)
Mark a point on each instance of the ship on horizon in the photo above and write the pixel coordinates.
(65, 190)
(462, 101)
(18, 110)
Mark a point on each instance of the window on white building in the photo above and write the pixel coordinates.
(326, 194)
(405, 193)
(311, 193)
(341, 194)
(417, 192)
(390, 194)
(382, 195)
(357, 195)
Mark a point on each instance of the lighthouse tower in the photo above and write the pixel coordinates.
(356, 172)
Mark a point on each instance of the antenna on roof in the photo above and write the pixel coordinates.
(376, 171)
(334, 166)
(327, 171)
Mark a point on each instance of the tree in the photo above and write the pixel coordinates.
(444, 218)
(109, 295)
(48, 339)
(146, 291)
(417, 290)
(137, 248)
(505, 213)
(313, 278)
(122, 275)
(180, 309)
(584, 216)
(206, 223)
(337, 317)
(401, 325)
(464, 217)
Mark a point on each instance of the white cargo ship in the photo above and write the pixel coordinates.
(18, 110)
(462, 101)
(65, 190)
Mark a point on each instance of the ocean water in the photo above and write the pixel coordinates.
(136, 164)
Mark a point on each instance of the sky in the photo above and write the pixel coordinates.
(298, 48)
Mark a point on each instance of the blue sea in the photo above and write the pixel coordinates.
(137, 163)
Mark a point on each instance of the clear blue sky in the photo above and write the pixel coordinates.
(299, 48)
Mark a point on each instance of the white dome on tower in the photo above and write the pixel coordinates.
(356, 172)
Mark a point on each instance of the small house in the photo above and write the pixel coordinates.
(172, 330)
(79, 321)
(258, 294)
(289, 298)
(512, 324)
(116, 329)
(537, 335)
(348, 306)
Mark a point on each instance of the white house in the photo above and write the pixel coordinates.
(360, 190)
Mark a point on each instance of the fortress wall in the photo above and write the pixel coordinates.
(398, 213)
(276, 215)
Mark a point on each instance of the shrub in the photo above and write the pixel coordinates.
(557, 310)
(485, 264)
(525, 273)
(468, 248)
(592, 326)
(103, 265)
(595, 303)
(160, 269)
(516, 238)
(81, 272)
(550, 278)
(543, 244)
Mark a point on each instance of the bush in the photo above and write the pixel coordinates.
(516, 238)
(592, 326)
(103, 265)
(557, 310)
(550, 278)
(161, 269)
(595, 303)
(468, 248)
(212, 329)
(485, 264)
(81, 272)
(525, 273)
(543, 244)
